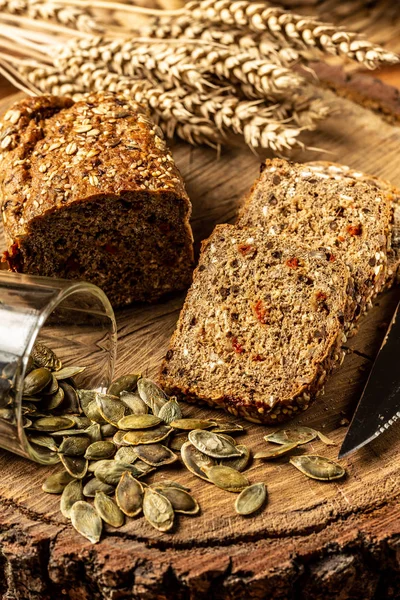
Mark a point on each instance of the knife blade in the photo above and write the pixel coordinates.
(379, 405)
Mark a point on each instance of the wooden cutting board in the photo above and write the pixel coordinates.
(313, 539)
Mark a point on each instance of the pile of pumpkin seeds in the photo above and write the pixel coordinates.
(109, 442)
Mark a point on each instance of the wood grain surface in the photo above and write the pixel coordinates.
(312, 540)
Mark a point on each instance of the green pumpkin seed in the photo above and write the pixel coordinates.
(222, 427)
(194, 460)
(71, 400)
(327, 441)
(129, 495)
(85, 398)
(55, 484)
(54, 401)
(126, 383)
(155, 454)
(276, 452)
(68, 432)
(80, 422)
(251, 499)
(182, 501)
(72, 493)
(93, 413)
(94, 432)
(36, 381)
(126, 454)
(111, 409)
(151, 394)
(51, 387)
(118, 439)
(138, 422)
(74, 446)
(171, 411)
(111, 471)
(95, 485)
(108, 510)
(177, 441)
(134, 403)
(95, 463)
(158, 510)
(213, 444)
(190, 424)
(147, 436)
(299, 434)
(52, 424)
(75, 465)
(108, 430)
(318, 467)
(100, 450)
(42, 356)
(241, 462)
(226, 478)
(43, 440)
(68, 372)
(86, 521)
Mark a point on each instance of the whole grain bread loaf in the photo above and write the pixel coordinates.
(262, 325)
(89, 190)
(317, 206)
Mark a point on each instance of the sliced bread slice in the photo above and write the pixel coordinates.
(261, 327)
(349, 217)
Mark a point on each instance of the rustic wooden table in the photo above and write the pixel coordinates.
(313, 540)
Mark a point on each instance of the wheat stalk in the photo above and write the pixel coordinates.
(71, 17)
(294, 30)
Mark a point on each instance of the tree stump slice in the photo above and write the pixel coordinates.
(313, 540)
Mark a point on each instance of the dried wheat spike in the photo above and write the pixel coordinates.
(69, 16)
(294, 30)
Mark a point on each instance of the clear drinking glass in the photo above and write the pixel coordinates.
(73, 318)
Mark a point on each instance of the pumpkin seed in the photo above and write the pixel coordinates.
(212, 444)
(182, 501)
(67, 432)
(80, 422)
(110, 408)
(43, 440)
(52, 386)
(190, 424)
(129, 495)
(72, 493)
(118, 439)
(54, 401)
(147, 436)
(95, 463)
(158, 510)
(251, 499)
(36, 381)
(110, 471)
(52, 424)
(318, 467)
(134, 403)
(276, 452)
(126, 383)
(107, 430)
(43, 356)
(85, 398)
(93, 413)
(68, 372)
(221, 427)
(177, 441)
(74, 446)
(75, 465)
(151, 394)
(95, 485)
(194, 460)
(325, 439)
(138, 422)
(86, 521)
(169, 483)
(99, 450)
(228, 437)
(155, 454)
(241, 462)
(144, 468)
(108, 510)
(94, 432)
(171, 411)
(126, 454)
(71, 400)
(226, 478)
(299, 434)
(55, 484)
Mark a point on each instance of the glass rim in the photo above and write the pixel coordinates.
(69, 288)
